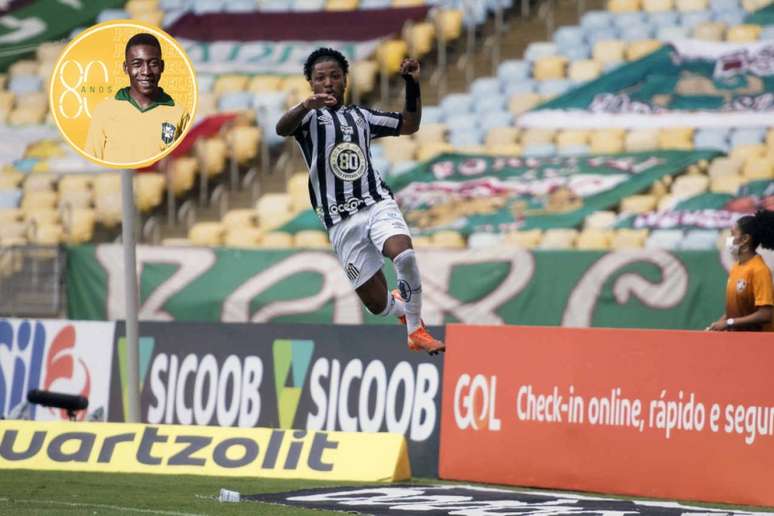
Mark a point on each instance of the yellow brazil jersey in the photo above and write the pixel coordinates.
(749, 286)
(123, 132)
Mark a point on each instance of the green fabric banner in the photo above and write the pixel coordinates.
(639, 289)
(763, 16)
(22, 30)
(718, 84)
(708, 210)
(470, 193)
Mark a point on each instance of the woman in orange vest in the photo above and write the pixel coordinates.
(749, 290)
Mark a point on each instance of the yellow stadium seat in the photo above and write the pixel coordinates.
(75, 182)
(431, 133)
(638, 203)
(561, 238)
(607, 141)
(107, 182)
(421, 38)
(725, 167)
(340, 5)
(207, 104)
(609, 51)
(726, 184)
(408, 3)
(39, 183)
(274, 209)
(421, 242)
(572, 137)
(429, 151)
(21, 116)
(49, 51)
(152, 17)
(689, 185)
(770, 138)
(602, 219)
(207, 233)
(676, 138)
(448, 239)
(23, 67)
(549, 68)
(182, 173)
(311, 239)
(298, 186)
(639, 49)
(363, 74)
(450, 20)
(743, 33)
(33, 101)
(594, 239)
(629, 239)
(403, 148)
(523, 102)
(47, 234)
(758, 168)
(659, 189)
(75, 198)
(39, 200)
(78, 225)
(243, 236)
(502, 136)
(655, 6)
(537, 136)
(229, 84)
(240, 218)
(710, 31)
(214, 152)
(754, 5)
(137, 7)
(390, 55)
(667, 202)
(471, 149)
(744, 152)
(623, 6)
(176, 242)
(9, 215)
(148, 190)
(244, 142)
(264, 83)
(13, 230)
(276, 240)
(528, 239)
(107, 207)
(641, 140)
(6, 101)
(504, 149)
(691, 5)
(297, 87)
(10, 180)
(584, 70)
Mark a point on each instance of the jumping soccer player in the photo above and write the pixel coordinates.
(363, 221)
(141, 120)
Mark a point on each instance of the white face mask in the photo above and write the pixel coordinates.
(732, 247)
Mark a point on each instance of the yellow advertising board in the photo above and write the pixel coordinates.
(203, 450)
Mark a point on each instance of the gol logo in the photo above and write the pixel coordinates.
(474, 403)
(73, 89)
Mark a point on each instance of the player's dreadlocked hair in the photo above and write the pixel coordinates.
(142, 38)
(322, 54)
(760, 227)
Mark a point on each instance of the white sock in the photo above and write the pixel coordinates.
(410, 286)
(395, 307)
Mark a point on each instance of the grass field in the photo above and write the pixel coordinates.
(25, 493)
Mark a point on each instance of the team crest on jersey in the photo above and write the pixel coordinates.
(347, 161)
(325, 119)
(741, 285)
(167, 132)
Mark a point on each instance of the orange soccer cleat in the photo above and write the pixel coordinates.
(421, 340)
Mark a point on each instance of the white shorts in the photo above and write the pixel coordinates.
(358, 240)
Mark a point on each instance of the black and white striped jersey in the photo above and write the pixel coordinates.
(336, 145)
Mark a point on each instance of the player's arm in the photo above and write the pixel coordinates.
(412, 112)
(760, 316)
(291, 120)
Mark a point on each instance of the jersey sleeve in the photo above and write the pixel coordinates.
(305, 124)
(762, 287)
(95, 139)
(383, 123)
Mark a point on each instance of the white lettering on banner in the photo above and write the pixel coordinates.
(404, 399)
(667, 293)
(25, 29)
(191, 264)
(465, 413)
(210, 386)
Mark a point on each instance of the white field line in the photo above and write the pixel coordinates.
(103, 506)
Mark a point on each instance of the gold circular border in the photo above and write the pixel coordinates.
(156, 32)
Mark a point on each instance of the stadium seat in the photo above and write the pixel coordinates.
(745, 33)
(273, 209)
(676, 138)
(182, 173)
(639, 49)
(666, 239)
(420, 38)
(502, 136)
(481, 240)
(529, 239)
(276, 240)
(553, 88)
(176, 242)
(428, 151)
(400, 149)
(513, 70)
(742, 152)
(603, 219)
(39, 200)
(550, 67)
(558, 238)
(390, 54)
(304, 5)
(672, 33)
(639, 140)
(341, 5)
(492, 103)
(244, 237)
(711, 139)
(23, 67)
(311, 239)
(689, 185)
(653, 6)
(611, 51)
(607, 141)
(691, 19)
(572, 137)
(756, 168)
(725, 167)
(594, 239)
(448, 239)
(638, 203)
(456, 104)
(75, 199)
(747, 136)
(710, 31)
(623, 6)
(374, 4)
(593, 20)
(229, 84)
(46, 234)
(691, 5)
(726, 184)
(78, 225)
(536, 136)
(521, 86)
(244, 142)
(700, 240)
(584, 70)
(625, 239)
(496, 120)
(539, 50)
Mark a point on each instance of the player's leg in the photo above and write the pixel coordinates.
(378, 299)
(390, 233)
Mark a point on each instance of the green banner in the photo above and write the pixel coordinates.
(763, 16)
(718, 84)
(708, 210)
(638, 289)
(470, 193)
(22, 30)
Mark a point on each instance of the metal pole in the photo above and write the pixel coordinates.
(130, 286)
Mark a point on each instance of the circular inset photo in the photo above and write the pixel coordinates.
(123, 93)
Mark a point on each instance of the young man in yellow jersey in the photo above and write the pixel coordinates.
(141, 120)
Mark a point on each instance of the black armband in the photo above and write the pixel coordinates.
(412, 93)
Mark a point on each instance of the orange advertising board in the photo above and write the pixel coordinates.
(666, 414)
